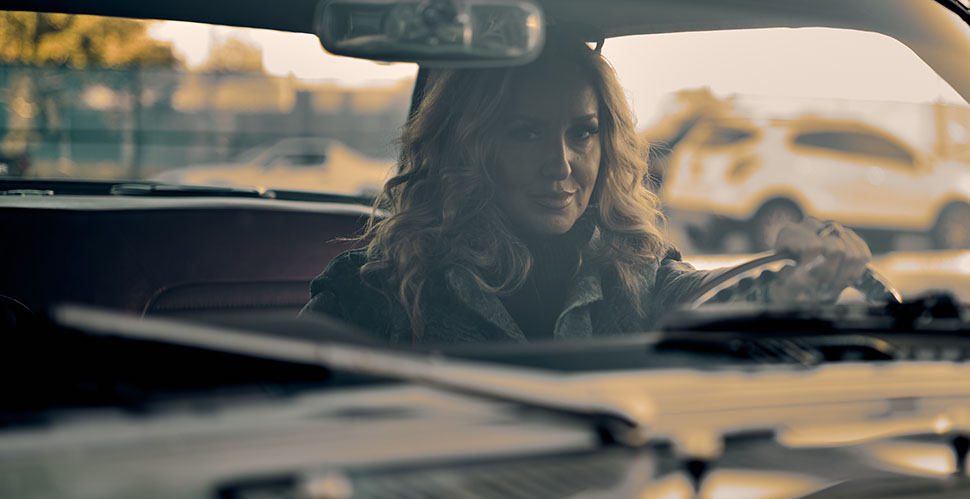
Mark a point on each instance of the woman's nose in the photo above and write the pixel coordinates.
(556, 166)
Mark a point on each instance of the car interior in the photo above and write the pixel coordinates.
(126, 302)
(172, 255)
(166, 254)
(207, 252)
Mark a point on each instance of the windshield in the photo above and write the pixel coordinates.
(744, 130)
(750, 129)
(101, 98)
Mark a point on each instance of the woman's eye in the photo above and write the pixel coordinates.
(524, 133)
(585, 133)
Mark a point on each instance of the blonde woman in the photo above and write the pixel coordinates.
(520, 214)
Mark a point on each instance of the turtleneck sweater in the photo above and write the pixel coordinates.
(536, 305)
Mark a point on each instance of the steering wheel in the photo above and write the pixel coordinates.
(873, 287)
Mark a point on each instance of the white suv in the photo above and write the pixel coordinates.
(755, 176)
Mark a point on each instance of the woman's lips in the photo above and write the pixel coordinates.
(554, 200)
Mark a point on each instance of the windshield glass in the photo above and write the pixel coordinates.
(743, 131)
(99, 98)
(766, 126)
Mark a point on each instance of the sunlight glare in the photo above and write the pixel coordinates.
(915, 458)
(809, 63)
(284, 54)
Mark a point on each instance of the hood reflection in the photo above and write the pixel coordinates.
(913, 458)
(732, 484)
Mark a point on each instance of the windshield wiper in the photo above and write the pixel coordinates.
(933, 313)
(173, 190)
(80, 187)
(934, 327)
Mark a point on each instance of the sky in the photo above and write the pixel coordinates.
(797, 64)
(805, 63)
(283, 53)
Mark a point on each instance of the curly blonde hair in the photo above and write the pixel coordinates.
(440, 206)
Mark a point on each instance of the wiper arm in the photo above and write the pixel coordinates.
(808, 350)
(79, 187)
(820, 333)
(932, 313)
(173, 190)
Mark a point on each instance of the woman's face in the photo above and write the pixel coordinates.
(548, 149)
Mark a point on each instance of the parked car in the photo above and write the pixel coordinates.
(738, 176)
(303, 163)
(14, 166)
(151, 346)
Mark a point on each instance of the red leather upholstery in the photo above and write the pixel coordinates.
(175, 256)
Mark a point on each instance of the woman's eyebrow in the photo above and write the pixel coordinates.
(529, 119)
(542, 121)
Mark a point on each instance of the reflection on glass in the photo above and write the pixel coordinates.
(755, 134)
(835, 434)
(732, 484)
(914, 458)
(184, 103)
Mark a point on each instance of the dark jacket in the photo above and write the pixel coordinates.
(455, 309)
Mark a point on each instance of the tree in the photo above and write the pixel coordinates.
(38, 39)
(39, 47)
(233, 55)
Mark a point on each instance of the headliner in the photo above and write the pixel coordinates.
(629, 16)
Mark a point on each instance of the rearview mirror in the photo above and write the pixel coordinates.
(458, 33)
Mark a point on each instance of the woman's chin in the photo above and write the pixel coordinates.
(551, 226)
(530, 218)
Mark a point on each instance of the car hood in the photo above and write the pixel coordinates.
(413, 439)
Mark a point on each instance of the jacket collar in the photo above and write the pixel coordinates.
(573, 322)
(486, 305)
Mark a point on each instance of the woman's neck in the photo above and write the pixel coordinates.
(536, 305)
(577, 236)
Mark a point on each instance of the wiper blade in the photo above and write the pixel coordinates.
(26, 192)
(932, 313)
(82, 187)
(173, 190)
(824, 333)
(804, 350)
(938, 311)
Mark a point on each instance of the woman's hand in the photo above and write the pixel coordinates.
(830, 258)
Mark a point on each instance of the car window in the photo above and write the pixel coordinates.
(88, 97)
(854, 143)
